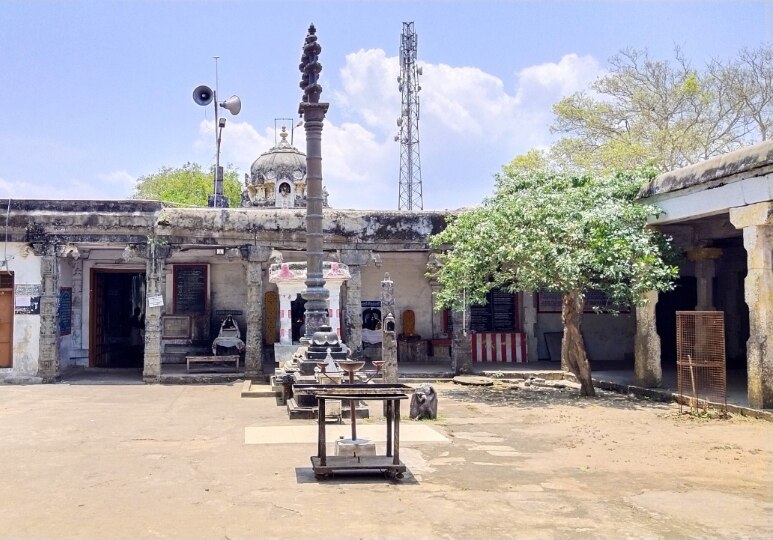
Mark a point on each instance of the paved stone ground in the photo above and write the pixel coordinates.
(135, 461)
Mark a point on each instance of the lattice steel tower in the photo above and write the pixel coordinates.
(410, 163)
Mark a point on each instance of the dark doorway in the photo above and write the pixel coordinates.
(297, 309)
(683, 297)
(117, 329)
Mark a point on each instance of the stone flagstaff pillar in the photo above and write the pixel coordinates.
(313, 114)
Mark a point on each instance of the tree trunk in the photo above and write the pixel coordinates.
(572, 346)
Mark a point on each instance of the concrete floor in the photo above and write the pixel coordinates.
(161, 461)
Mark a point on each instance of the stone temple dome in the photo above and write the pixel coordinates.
(277, 178)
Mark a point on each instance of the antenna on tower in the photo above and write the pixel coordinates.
(408, 123)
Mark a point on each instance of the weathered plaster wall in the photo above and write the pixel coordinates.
(26, 328)
(228, 288)
(607, 337)
(412, 290)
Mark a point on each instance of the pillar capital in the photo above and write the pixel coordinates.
(703, 254)
(752, 215)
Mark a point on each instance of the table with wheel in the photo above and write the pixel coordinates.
(392, 394)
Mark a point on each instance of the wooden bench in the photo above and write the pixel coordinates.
(211, 359)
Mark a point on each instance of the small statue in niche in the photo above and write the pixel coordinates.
(284, 199)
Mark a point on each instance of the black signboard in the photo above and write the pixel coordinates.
(498, 315)
(190, 288)
(503, 311)
(480, 318)
(65, 311)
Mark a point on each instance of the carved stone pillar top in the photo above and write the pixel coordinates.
(703, 254)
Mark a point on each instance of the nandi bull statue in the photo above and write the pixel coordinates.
(424, 403)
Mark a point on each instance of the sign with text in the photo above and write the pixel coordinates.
(190, 288)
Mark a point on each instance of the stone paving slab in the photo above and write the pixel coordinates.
(307, 434)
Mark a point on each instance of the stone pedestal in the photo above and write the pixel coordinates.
(647, 364)
(757, 223)
(411, 350)
(355, 448)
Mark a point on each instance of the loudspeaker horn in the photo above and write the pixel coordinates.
(233, 105)
(202, 95)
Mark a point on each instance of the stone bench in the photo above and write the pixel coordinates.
(211, 359)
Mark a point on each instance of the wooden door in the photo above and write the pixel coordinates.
(270, 317)
(96, 334)
(6, 319)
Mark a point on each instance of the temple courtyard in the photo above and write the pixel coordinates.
(200, 461)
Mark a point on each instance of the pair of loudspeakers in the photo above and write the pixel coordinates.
(203, 95)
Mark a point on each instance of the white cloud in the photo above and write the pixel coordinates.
(470, 125)
(119, 179)
(66, 190)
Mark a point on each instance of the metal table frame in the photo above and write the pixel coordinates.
(391, 394)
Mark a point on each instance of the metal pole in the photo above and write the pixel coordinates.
(217, 144)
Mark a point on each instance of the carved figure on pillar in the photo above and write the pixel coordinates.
(313, 114)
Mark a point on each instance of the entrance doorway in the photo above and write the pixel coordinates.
(682, 297)
(6, 319)
(117, 325)
(297, 310)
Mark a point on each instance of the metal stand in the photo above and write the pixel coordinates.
(389, 464)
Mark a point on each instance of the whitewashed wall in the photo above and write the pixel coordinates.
(412, 291)
(26, 328)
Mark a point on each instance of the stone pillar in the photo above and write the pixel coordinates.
(757, 223)
(334, 309)
(388, 328)
(355, 260)
(313, 113)
(285, 315)
(647, 368)
(705, 270)
(461, 344)
(389, 350)
(155, 286)
(253, 355)
(48, 355)
(77, 304)
(529, 325)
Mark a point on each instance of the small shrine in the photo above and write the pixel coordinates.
(290, 278)
(277, 179)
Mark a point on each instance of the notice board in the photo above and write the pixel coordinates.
(190, 288)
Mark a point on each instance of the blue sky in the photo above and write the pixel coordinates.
(98, 93)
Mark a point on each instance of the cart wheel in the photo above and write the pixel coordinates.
(399, 476)
(321, 476)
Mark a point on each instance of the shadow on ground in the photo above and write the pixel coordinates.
(509, 394)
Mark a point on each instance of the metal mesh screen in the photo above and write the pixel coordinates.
(700, 358)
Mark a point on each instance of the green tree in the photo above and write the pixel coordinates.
(664, 113)
(556, 232)
(187, 185)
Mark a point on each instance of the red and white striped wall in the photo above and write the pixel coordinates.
(499, 347)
